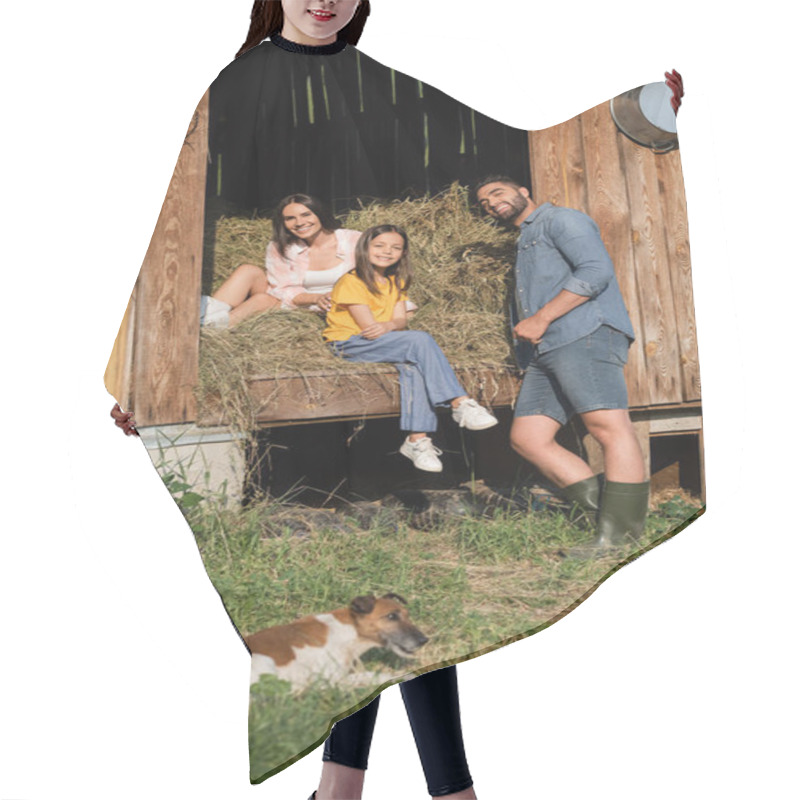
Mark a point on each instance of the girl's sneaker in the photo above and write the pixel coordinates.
(472, 416)
(423, 454)
(214, 313)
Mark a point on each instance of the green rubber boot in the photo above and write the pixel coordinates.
(585, 499)
(623, 509)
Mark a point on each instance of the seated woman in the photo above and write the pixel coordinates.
(309, 253)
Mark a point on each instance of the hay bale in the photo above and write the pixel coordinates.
(239, 241)
(462, 268)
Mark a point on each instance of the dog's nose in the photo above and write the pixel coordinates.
(423, 639)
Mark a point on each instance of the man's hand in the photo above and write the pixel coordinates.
(124, 420)
(531, 329)
(378, 329)
(675, 82)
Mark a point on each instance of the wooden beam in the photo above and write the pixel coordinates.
(610, 209)
(673, 205)
(651, 262)
(167, 316)
(558, 167)
(320, 397)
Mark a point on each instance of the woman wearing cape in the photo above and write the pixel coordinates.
(324, 119)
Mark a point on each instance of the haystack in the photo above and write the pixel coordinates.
(461, 266)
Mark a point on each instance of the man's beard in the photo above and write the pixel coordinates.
(517, 205)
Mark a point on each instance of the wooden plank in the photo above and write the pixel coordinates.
(167, 327)
(676, 424)
(664, 411)
(378, 93)
(354, 395)
(318, 396)
(558, 166)
(444, 139)
(319, 134)
(673, 206)
(409, 137)
(117, 377)
(652, 272)
(491, 145)
(608, 206)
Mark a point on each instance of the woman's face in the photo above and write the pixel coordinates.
(316, 22)
(301, 221)
(386, 250)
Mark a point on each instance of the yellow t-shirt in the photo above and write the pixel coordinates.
(351, 290)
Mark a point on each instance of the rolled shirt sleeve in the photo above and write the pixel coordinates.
(577, 238)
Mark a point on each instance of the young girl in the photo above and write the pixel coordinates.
(367, 322)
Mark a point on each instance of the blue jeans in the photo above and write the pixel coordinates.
(426, 378)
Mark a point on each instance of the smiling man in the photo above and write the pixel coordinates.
(573, 334)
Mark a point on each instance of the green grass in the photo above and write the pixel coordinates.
(472, 585)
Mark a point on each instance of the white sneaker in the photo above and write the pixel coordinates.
(472, 416)
(423, 454)
(215, 313)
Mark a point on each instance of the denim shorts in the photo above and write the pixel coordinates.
(582, 376)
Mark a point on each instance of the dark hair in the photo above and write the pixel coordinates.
(266, 19)
(401, 271)
(495, 179)
(282, 237)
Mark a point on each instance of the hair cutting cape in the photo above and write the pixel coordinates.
(284, 458)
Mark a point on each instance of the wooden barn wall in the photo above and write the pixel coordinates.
(156, 368)
(637, 199)
(392, 136)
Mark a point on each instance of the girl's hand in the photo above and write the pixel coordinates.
(124, 420)
(377, 329)
(324, 302)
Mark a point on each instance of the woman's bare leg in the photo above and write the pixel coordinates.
(245, 291)
(254, 304)
(242, 282)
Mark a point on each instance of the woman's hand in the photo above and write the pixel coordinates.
(324, 302)
(124, 420)
(378, 329)
(675, 82)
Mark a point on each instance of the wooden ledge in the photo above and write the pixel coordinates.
(321, 397)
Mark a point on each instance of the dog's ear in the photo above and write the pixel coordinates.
(393, 596)
(363, 604)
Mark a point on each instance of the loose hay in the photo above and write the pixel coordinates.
(462, 269)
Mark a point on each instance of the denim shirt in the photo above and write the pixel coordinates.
(560, 248)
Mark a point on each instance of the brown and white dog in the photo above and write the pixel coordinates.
(327, 647)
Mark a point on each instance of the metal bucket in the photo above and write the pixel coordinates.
(645, 115)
